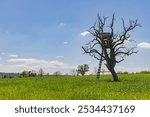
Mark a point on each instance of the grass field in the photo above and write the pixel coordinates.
(131, 86)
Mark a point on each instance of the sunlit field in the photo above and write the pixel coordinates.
(130, 86)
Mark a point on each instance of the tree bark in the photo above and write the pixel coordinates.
(82, 73)
(114, 74)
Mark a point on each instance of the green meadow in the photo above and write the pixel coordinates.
(130, 87)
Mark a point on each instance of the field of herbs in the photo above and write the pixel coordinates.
(130, 87)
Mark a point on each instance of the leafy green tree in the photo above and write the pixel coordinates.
(32, 73)
(82, 69)
(24, 74)
(57, 73)
(41, 72)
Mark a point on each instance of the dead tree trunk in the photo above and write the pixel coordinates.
(114, 74)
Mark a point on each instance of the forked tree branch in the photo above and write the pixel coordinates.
(92, 51)
(125, 36)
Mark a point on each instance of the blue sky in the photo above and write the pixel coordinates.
(47, 33)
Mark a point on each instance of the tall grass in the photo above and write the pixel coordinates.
(131, 86)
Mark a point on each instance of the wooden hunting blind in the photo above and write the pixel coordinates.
(107, 38)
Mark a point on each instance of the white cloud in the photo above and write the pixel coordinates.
(12, 55)
(144, 45)
(59, 57)
(36, 62)
(3, 53)
(65, 42)
(20, 64)
(131, 69)
(62, 24)
(84, 34)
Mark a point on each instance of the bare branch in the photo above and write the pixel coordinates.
(89, 51)
(95, 40)
(98, 58)
(122, 47)
(127, 52)
(112, 24)
(125, 35)
(122, 59)
(123, 24)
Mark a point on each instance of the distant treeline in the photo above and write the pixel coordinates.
(41, 73)
(10, 75)
(144, 72)
(141, 72)
(32, 73)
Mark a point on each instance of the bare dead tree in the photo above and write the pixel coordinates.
(109, 46)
